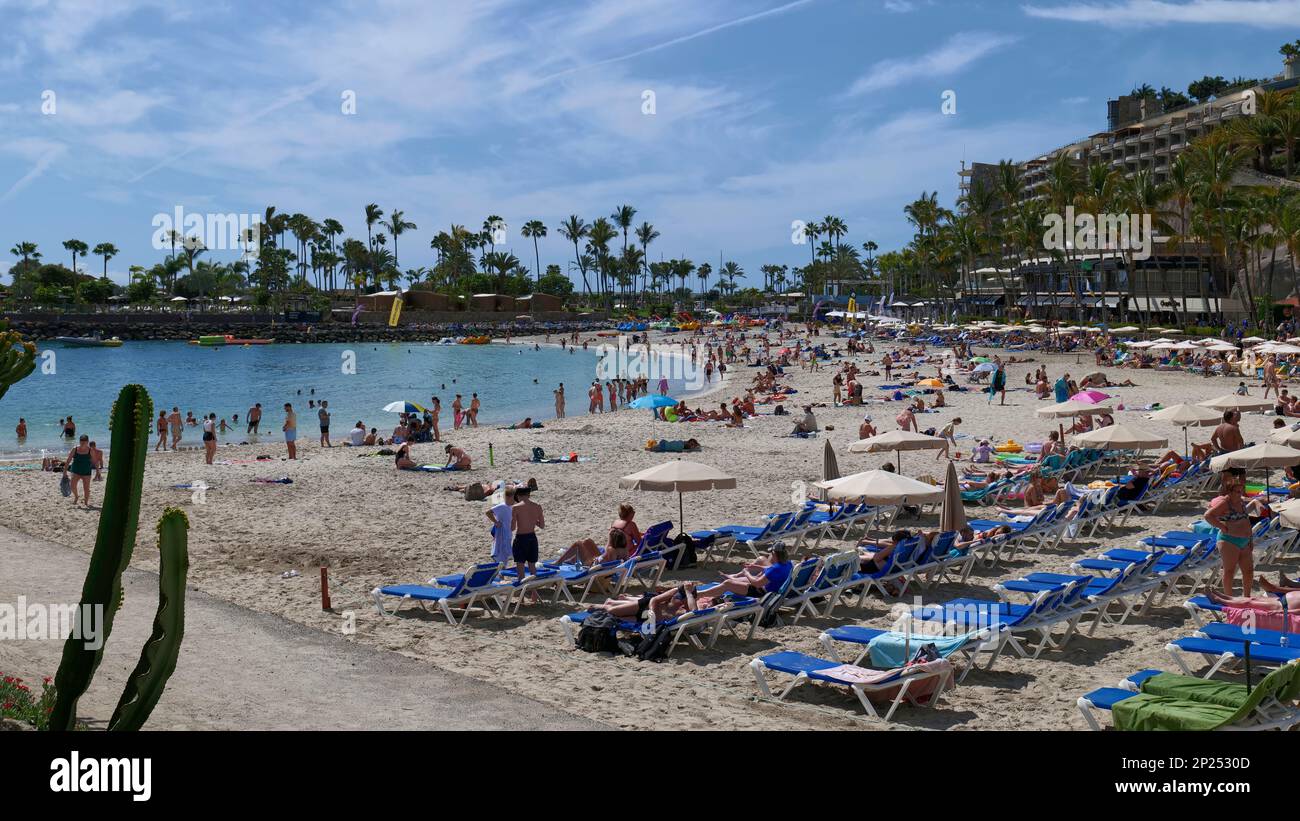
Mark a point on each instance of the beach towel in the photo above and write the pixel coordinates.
(895, 649)
(1263, 620)
(434, 469)
(1174, 702)
(283, 480)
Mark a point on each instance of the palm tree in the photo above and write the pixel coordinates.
(78, 248)
(397, 226)
(26, 250)
(332, 228)
(490, 227)
(106, 250)
(373, 214)
(575, 229)
(834, 227)
(535, 229)
(811, 232)
(730, 272)
(645, 235)
(599, 236)
(704, 271)
(622, 217)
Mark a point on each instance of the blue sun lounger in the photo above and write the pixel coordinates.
(891, 686)
(479, 584)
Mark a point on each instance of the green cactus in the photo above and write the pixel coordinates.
(114, 543)
(17, 357)
(158, 658)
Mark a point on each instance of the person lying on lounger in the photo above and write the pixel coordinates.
(588, 553)
(759, 579)
(1271, 603)
(873, 559)
(663, 604)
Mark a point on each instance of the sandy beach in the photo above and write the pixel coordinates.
(373, 525)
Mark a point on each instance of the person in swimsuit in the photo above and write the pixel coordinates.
(177, 426)
(403, 458)
(161, 425)
(21, 430)
(663, 604)
(209, 437)
(97, 460)
(435, 412)
(758, 579)
(1229, 515)
(81, 464)
(1288, 589)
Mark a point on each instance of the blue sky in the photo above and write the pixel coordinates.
(766, 111)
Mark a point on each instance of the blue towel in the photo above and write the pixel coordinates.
(890, 650)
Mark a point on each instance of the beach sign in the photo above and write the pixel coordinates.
(396, 312)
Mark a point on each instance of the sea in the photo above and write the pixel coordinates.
(358, 380)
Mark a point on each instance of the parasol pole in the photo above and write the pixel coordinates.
(681, 517)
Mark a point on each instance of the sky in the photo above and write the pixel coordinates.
(721, 121)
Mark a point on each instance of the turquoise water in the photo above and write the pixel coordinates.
(229, 380)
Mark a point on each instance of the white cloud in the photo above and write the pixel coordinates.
(900, 6)
(960, 51)
(1258, 13)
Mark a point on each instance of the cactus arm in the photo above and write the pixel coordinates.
(158, 658)
(17, 358)
(114, 543)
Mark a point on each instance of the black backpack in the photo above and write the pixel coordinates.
(598, 633)
(538, 454)
(654, 647)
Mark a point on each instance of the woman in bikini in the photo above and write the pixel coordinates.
(1228, 513)
(663, 605)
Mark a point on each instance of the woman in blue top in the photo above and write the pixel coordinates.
(766, 576)
(1062, 388)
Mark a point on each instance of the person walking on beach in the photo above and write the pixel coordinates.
(525, 517)
(80, 463)
(254, 418)
(998, 384)
(290, 430)
(474, 405)
(177, 426)
(457, 412)
(161, 425)
(949, 437)
(435, 412)
(324, 416)
(209, 437)
(559, 401)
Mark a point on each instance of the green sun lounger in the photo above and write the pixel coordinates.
(1169, 701)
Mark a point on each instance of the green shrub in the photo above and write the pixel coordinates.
(18, 701)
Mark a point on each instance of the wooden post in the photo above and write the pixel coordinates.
(325, 589)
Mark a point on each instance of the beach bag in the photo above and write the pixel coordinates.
(65, 486)
(598, 633)
(538, 454)
(654, 647)
(779, 411)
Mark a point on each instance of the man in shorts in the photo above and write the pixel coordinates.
(525, 517)
(324, 416)
(290, 430)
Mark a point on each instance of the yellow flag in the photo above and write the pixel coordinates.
(395, 313)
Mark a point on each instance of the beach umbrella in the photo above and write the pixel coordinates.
(1122, 437)
(404, 407)
(680, 476)
(1141, 344)
(1090, 397)
(985, 367)
(1286, 436)
(1127, 329)
(1231, 401)
(1072, 408)
(953, 516)
(1253, 340)
(1266, 455)
(1186, 416)
(652, 401)
(882, 487)
(830, 465)
(1288, 512)
(897, 441)
(929, 383)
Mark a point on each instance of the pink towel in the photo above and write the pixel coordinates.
(1262, 619)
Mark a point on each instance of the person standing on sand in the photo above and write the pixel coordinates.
(525, 517)
(290, 430)
(591, 398)
(457, 412)
(500, 517)
(559, 401)
(254, 418)
(177, 426)
(209, 437)
(81, 463)
(435, 412)
(324, 416)
(474, 405)
(161, 425)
